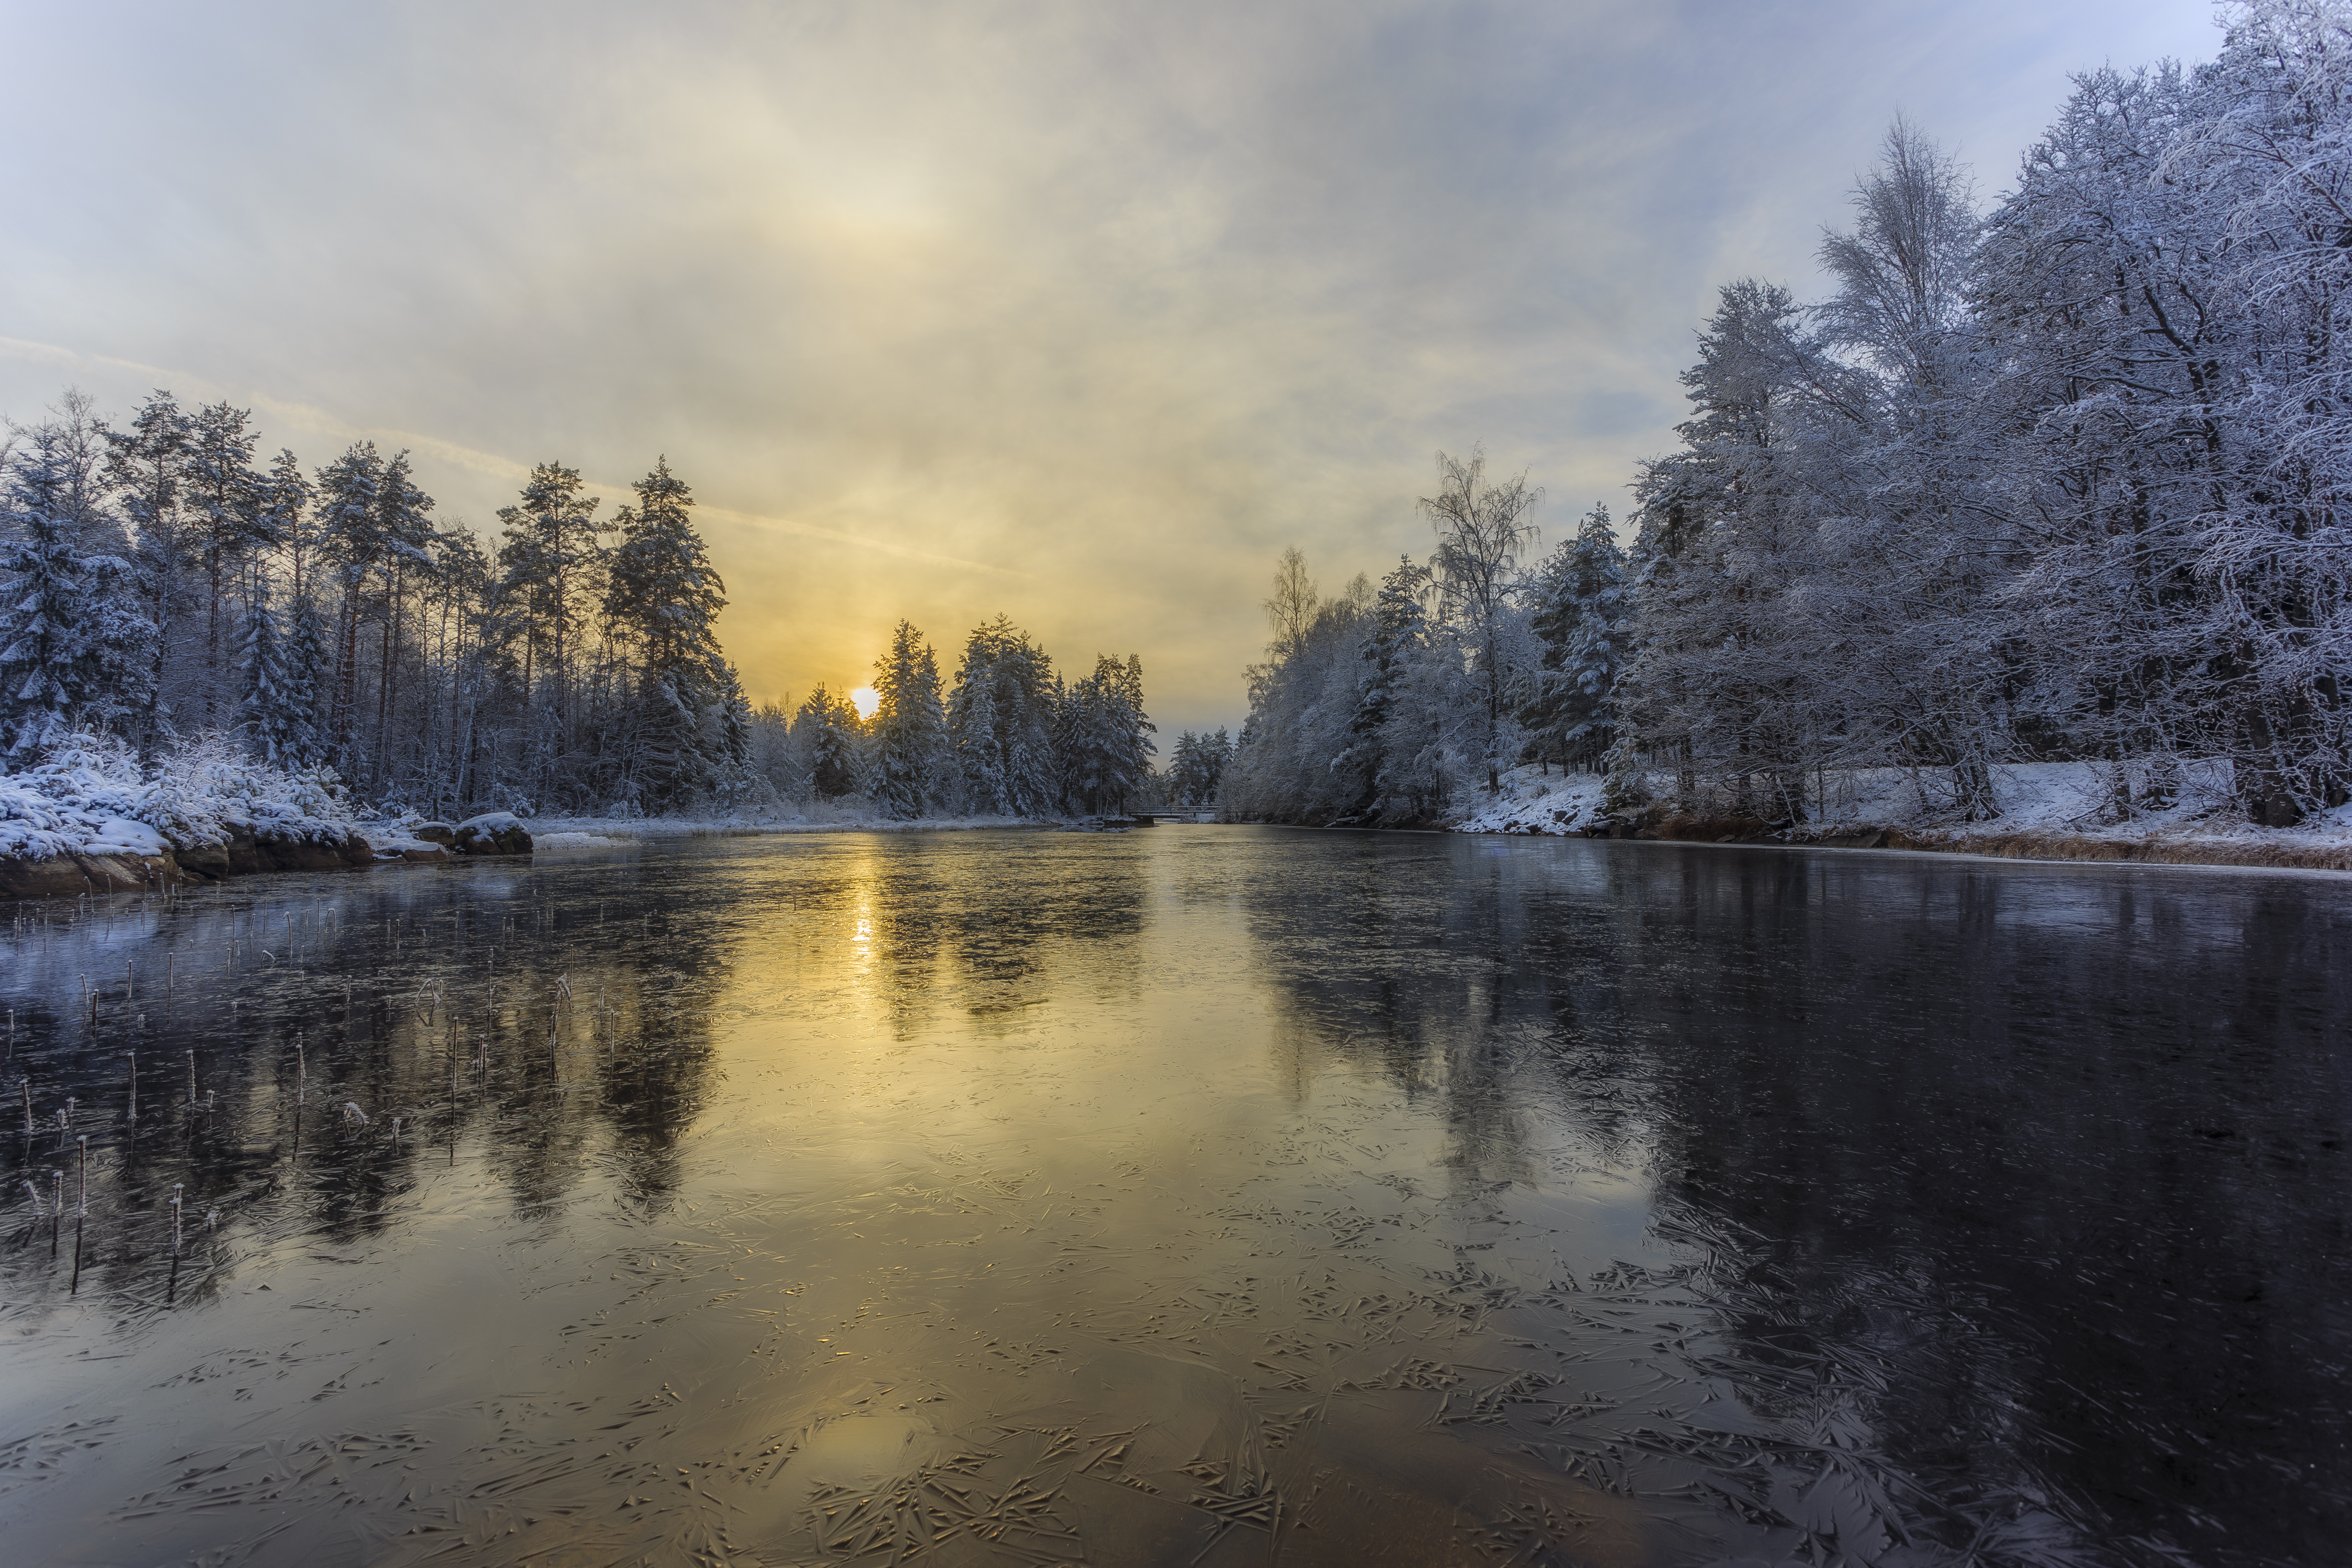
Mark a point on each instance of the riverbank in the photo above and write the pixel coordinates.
(2048, 811)
(90, 819)
(97, 827)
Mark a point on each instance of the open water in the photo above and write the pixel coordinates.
(1196, 1196)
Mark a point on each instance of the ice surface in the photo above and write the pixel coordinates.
(1204, 1195)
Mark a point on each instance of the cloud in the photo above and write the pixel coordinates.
(1076, 311)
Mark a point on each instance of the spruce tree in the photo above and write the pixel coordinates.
(828, 733)
(1002, 716)
(72, 641)
(1579, 608)
(1399, 630)
(662, 599)
(269, 708)
(308, 671)
(912, 752)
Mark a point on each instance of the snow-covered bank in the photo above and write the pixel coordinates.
(2049, 811)
(89, 819)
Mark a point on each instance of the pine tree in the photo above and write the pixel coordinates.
(228, 515)
(1396, 636)
(269, 708)
(1578, 607)
(553, 558)
(662, 599)
(347, 508)
(913, 754)
(1002, 716)
(829, 734)
(73, 643)
(148, 466)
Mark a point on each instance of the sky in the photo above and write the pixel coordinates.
(1078, 313)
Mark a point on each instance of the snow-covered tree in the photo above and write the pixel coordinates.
(273, 710)
(73, 645)
(914, 757)
(1001, 717)
(147, 466)
(229, 520)
(1301, 701)
(830, 737)
(1100, 737)
(1197, 766)
(661, 604)
(1482, 530)
(554, 562)
(1578, 606)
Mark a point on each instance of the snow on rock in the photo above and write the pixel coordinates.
(121, 836)
(89, 799)
(493, 832)
(396, 842)
(543, 843)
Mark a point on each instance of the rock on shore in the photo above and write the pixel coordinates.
(493, 832)
(108, 867)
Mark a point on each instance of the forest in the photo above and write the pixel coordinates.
(2060, 477)
(166, 595)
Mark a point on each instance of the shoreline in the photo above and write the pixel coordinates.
(92, 869)
(2039, 850)
(2043, 849)
(76, 872)
(2051, 812)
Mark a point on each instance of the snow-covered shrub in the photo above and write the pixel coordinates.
(206, 791)
(87, 790)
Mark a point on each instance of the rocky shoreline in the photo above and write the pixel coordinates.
(117, 869)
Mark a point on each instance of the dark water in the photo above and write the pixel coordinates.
(1200, 1196)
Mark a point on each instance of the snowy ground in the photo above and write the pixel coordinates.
(2059, 801)
(1533, 802)
(92, 798)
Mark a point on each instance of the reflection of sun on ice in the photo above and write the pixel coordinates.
(866, 700)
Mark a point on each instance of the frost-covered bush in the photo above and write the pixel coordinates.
(207, 791)
(87, 794)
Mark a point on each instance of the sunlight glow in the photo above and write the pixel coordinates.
(867, 701)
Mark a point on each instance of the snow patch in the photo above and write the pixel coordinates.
(1533, 800)
(2193, 804)
(89, 796)
(546, 843)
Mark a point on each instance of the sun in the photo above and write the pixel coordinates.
(866, 700)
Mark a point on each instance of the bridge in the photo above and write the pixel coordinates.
(1181, 814)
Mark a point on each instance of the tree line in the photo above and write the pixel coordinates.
(1010, 737)
(160, 584)
(2060, 479)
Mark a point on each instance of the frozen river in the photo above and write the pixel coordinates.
(1196, 1196)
